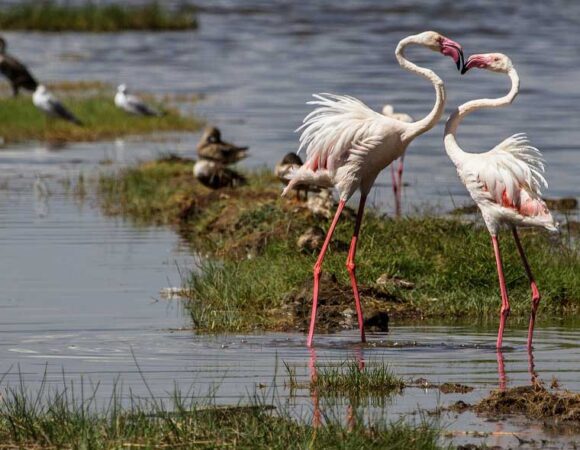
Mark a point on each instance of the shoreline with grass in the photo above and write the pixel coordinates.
(256, 278)
(52, 16)
(92, 103)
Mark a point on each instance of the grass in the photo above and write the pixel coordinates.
(21, 121)
(93, 17)
(257, 278)
(69, 418)
(350, 379)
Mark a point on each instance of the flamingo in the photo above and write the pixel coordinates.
(348, 144)
(397, 174)
(504, 182)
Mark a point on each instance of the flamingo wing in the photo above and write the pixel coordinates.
(339, 126)
(512, 175)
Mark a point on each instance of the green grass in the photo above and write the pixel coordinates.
(70, 418)
(21, 121)
(350, 379)
(256, 266)
(92, 17)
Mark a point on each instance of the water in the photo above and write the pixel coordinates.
(80, 290)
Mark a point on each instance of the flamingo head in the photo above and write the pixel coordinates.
(496, 62)
(439, 43)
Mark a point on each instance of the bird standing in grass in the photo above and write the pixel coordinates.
(397, 174)
(215, 175)
(290, 163)
(212, 147)
(348, 144)
(504, 182)
(15, 71)
(51, 106)
(133, 104)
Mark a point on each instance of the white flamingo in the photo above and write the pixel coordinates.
(348, 144)
(397, 174)
(504, 182)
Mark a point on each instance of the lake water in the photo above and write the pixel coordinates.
(81, 290)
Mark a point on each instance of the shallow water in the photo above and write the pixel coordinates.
(80, 291)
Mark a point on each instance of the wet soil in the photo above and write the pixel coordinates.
(336, 307)
(535, 402)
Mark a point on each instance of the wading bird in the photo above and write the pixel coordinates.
(215, 175)
(348, 144)
(504, 182)
(212, 147)
(397, 174)
(132, 104)
(15, 71)
(50, 105)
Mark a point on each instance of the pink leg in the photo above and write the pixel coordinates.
(400, 180)
(395, 184)
(318, 271)
(351, 266)
(501, 370)
(535, 292)
(505, 304)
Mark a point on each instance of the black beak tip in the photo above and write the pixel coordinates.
(464, 69)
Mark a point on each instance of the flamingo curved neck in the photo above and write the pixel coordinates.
(430, 120)
(452, 148)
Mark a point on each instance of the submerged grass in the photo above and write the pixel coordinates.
(251, 280)
(350, 379)
(94, 17)
(65, 418)
(20, 120)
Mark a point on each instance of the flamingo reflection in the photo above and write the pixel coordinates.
(315, 394)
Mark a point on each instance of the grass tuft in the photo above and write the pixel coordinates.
(21, 121)
(94, 17)
(70, 418)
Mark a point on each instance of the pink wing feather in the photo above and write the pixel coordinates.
(513, 174)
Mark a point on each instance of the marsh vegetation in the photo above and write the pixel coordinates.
(94, 17)
(254, 274)
(93, 104)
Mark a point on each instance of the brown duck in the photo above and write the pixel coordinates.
(215, 175)
(15, 71)
(213, 148)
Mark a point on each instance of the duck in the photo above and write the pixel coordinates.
(289, 163)
(211, 147)
(51, 106)
(16, 72)
(132, 104)
(216, 175)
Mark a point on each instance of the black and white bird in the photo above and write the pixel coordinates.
(51, 106)
(133, 104)
(211, 147)
(215, 175)
(16, 72)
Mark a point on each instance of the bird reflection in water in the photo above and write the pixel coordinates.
(315, 394)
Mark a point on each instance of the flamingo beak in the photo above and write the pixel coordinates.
(453, 49)
(474, 61)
